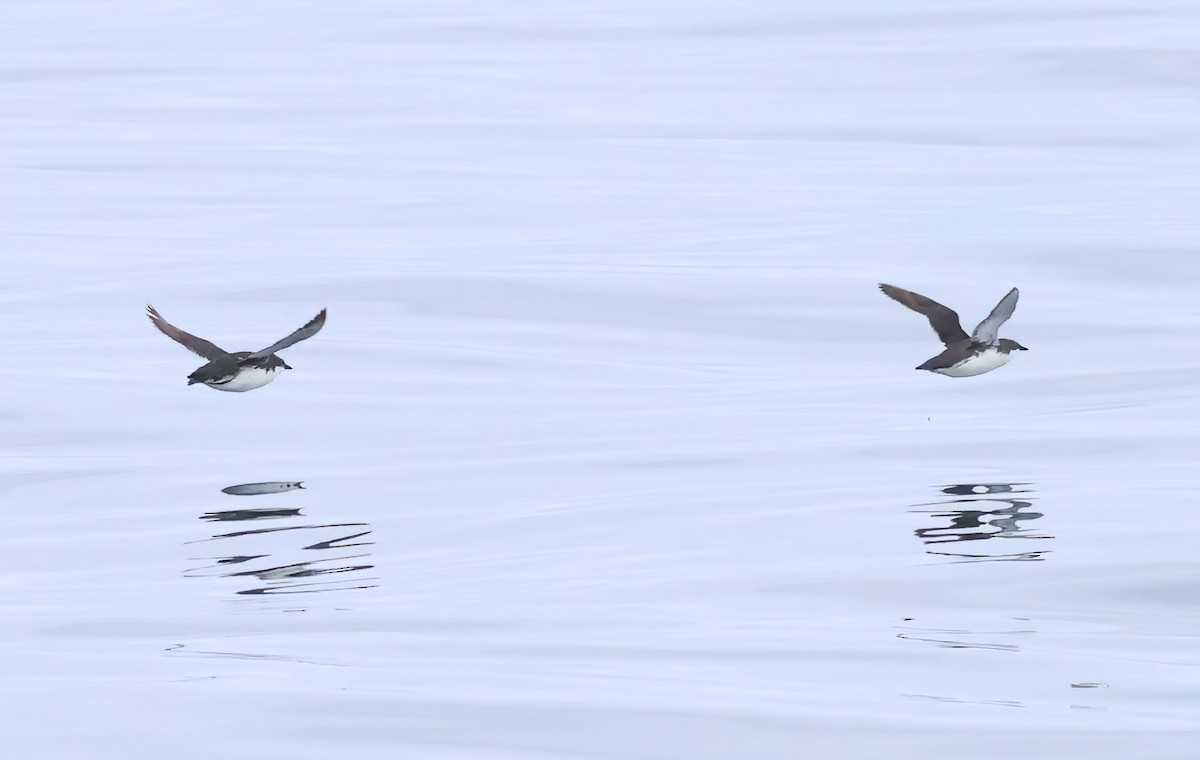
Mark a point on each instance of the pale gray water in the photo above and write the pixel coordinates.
(611, 447)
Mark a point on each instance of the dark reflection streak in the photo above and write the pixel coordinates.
(958, 522)
(951, 644)
(971, 489)
(299, 569)
(954, 700)
(298, 588)
(240, 515)
(257, 531)
(1019, 557)
(241, 559)
(335, 543)
(219, 562)
(943, 504)
(958, 638)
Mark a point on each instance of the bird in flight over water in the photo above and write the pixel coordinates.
(239, 371)
(965, 355)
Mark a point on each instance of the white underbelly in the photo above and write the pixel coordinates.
(248, 380)
(977, 365)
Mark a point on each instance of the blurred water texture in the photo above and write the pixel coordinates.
(611, 448)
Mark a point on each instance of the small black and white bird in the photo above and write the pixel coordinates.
(239, 371)
(965, 355)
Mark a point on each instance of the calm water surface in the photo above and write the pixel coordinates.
(611, 449)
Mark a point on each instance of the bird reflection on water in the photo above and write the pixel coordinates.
(981, 511)
(260, 549)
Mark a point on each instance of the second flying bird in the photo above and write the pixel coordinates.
(241, 370)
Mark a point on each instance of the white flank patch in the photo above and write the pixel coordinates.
(248, 380)
(977, 365)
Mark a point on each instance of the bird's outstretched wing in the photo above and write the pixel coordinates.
(988, 329)
(312, 328)
(942, 319)
(187, 340)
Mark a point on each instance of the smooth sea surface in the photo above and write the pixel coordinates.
(611, 448)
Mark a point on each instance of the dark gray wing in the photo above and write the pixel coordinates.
(988, 329)
(312, 328)
(942, 319)
(190, 342)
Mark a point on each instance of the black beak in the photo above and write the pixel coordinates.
(286, 365)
